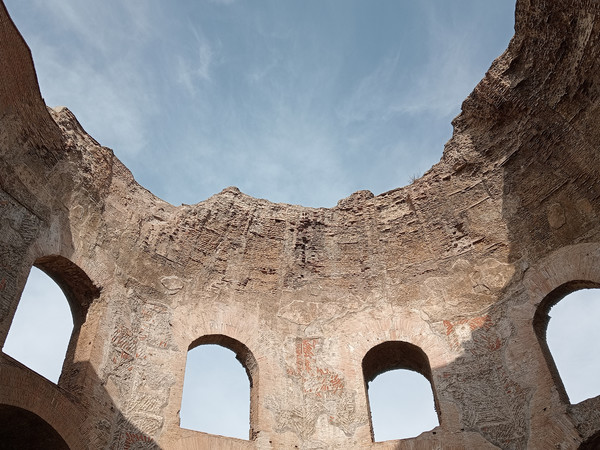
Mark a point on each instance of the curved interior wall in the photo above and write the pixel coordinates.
(456, 265)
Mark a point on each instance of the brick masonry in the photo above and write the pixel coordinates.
(460, 264)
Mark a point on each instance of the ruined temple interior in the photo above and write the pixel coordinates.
(452, 276)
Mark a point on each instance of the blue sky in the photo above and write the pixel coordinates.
(302, 102)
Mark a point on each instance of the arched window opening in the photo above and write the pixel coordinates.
(592, 443)
(22, 429)
(401, 404)
(219, 388)
(573, 343)
(41, 328)
(400, 393)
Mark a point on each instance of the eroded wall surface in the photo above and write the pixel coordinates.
(456, 264)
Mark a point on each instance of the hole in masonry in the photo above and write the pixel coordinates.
(401, 404)
(399, 391)
(573, 339)
(41, 328)
(216, 393)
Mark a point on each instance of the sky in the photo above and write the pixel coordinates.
(302, 102)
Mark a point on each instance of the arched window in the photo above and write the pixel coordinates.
(41, 328)
(567, 326)
(219, 388)
(56, 298)
(22, 429)
(592, 443)
(400, 392)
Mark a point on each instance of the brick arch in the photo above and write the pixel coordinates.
(591, 443)
(26, 430)
(77, 286)
(565, 267)
(541, 319)
(26, 390)
(392, 355)
(562, 272)
(405, 326)
(545, 283)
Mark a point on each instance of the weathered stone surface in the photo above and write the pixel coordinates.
(460, 264)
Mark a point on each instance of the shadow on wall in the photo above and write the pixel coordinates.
(541, 138)
(36, 414)
(82, 414)
(25, 430)
(76, 413)
(550, 206)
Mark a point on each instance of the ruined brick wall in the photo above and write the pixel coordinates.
(445, 276)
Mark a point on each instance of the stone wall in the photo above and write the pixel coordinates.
(450, 276)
